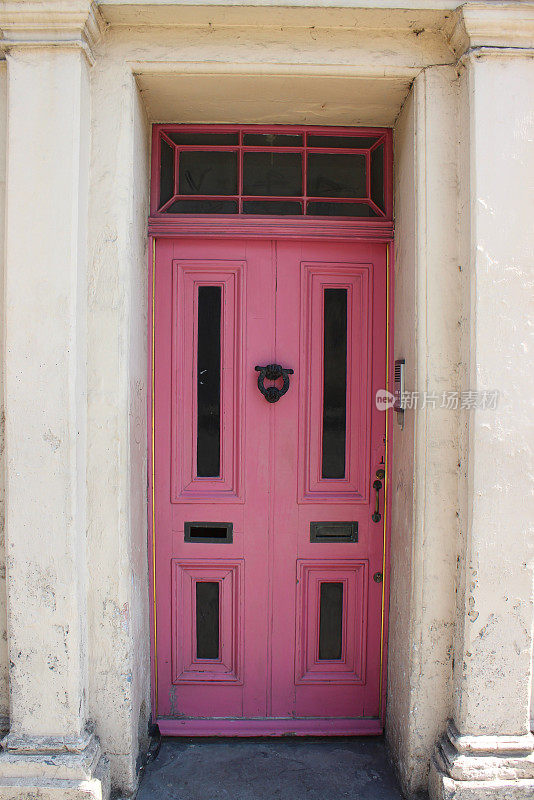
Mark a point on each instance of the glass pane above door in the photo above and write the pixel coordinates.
(274, 171)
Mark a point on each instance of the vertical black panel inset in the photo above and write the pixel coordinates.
(331, 621)
(209, 382)
(334, 383)
(207, 613)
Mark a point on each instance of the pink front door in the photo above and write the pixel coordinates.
(268, 563)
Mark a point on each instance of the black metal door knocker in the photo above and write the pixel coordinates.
(273, 372)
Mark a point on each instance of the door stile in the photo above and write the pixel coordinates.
(388, 494)
(151, 435)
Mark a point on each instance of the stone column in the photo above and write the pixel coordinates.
(487, 751)
(50, 750)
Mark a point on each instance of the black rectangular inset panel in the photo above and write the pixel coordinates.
(180, 137)
(326, 532)
(334, 383)
(377, 176)
(274, 174)
(336, 175)
(209, 382)
(166, 173)
(203, 207)
(208, 532)
(331, 622)
(285, 207)
(207, 613)
(357, 142)
(207, 172)
(273, 139)
(333, 209)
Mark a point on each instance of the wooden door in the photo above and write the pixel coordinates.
(268, 564)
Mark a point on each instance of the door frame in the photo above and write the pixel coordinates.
(267, 229)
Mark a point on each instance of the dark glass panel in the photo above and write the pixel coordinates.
(204, 138)
(203, 207)
(207, 613)
(207, 172)
(331, 621)
(166, 173)
(273, 139)
(334, 383)
(319, 209)
(377, 176)
(272, 207)
(278, 174)
(336, 175)
(209, 382)
(358, 142)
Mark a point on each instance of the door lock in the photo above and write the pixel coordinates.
(377, 485)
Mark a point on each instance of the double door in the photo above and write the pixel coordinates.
(268, 451)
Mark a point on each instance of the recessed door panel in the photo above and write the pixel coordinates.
(207, 328)
(267, 358)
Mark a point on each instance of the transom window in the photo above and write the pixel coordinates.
(275, 171)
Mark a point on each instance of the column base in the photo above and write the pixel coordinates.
(53, 769)
(482, 767)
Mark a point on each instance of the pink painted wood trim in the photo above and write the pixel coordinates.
(270, 727)
(150, 465)
(199, 226)
(389, 486)
(357, 279)
(351, 668)
(188, 276)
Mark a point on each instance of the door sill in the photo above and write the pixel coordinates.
(270, 727)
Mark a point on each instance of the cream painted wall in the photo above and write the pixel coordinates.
(117, 385)
(4, 675)
(425, 452)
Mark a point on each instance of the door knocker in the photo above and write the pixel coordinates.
(273, 372)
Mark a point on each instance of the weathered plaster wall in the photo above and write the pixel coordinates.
(4, 675)
(402, 484)
(494, 615)
(117, 385)
(268, 74)
(425, 452)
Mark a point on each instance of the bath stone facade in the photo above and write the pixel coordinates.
(80, 86)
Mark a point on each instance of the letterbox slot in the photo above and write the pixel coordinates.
(208, 532)
(327, 532)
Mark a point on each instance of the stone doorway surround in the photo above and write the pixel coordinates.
(80, 85)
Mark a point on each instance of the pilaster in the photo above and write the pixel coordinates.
(50, 750)
(487, 750)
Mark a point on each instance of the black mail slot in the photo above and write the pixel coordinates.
(325, 532)
(208, 532)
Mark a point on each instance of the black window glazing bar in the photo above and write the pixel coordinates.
(209, 381)
(334, 383)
